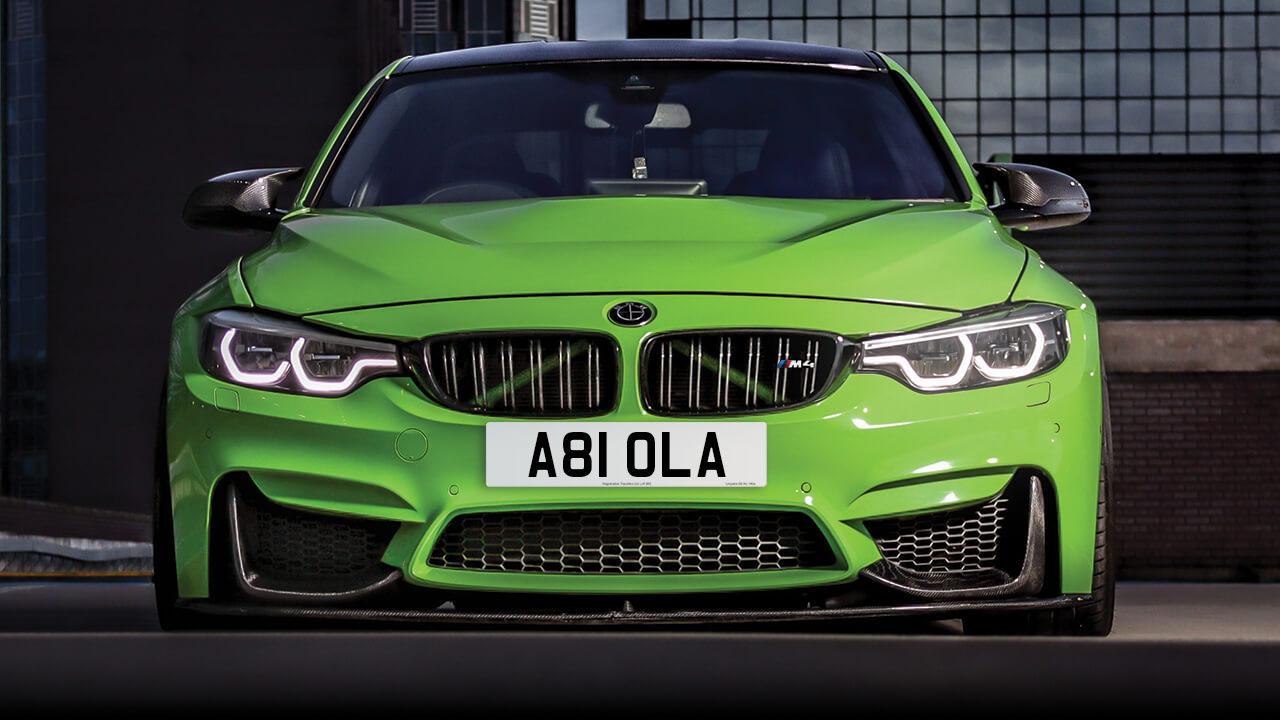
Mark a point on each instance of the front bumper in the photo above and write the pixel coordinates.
(871, 448)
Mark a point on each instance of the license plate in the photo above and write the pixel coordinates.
(602, 454)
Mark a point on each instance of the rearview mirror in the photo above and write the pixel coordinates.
(665, 116)
(1032, 197)
(244, 200)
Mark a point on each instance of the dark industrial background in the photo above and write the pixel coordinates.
(115, 110)
(131, 128)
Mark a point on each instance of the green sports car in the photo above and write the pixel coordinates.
(638, 332)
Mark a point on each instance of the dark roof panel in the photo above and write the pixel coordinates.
(537, 52)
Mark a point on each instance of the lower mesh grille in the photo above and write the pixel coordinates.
(293, 549)
(957, 542)
(612, 542)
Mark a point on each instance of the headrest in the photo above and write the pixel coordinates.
(804, 166)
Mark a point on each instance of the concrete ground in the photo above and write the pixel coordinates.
(1175, 646)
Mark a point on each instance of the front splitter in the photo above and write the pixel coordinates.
(620, 617)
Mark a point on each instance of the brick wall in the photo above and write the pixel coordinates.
(1197, 465)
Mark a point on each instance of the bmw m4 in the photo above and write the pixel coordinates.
(638, 332)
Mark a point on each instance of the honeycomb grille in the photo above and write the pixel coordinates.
(615, 542)
(957, 542)
(283, 543)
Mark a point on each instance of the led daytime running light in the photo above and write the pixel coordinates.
(332, 386)
(929, 383)
(1038, 334)
(240, 376)
(1004, 373)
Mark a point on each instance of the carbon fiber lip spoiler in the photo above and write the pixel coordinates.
(680, 617)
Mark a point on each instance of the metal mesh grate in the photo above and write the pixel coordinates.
(955, 542)
(611, 542)
(558, 374)
(737, 371)
(284, 543)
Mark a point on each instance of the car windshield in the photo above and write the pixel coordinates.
(638, 128)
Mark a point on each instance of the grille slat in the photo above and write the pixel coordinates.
(523, 374)
(732, 366)
(613, 542)
(696, 399)
(567, 365)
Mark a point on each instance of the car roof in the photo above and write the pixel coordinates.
(589, 50)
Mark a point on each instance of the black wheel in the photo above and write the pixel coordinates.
(164, 574)
(1095, 617)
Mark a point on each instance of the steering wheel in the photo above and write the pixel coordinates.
(477, 191)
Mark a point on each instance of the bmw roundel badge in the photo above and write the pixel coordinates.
(631, 314)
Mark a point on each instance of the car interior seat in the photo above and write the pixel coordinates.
(797, 165)
(494, 162)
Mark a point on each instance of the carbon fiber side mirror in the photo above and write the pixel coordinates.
(1031, 197)
(244, 200)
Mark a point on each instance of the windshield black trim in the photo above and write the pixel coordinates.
(335, 152)
(637, 49)
(955, 174)
(838, 67)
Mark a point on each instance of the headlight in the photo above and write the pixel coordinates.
(987, 350)
(261, 351)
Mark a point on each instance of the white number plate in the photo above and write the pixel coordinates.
(603, 454)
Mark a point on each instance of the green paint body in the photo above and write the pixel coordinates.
(869, 448)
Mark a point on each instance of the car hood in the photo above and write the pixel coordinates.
(945, 255)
